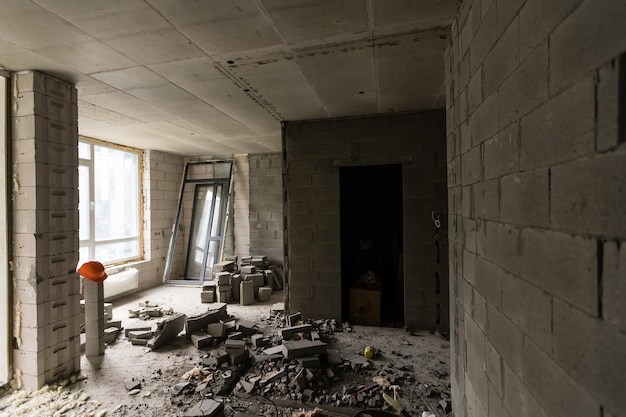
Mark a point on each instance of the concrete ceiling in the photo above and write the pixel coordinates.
(215, 77)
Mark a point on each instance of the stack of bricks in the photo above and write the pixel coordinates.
(222, 274)
(45, 226)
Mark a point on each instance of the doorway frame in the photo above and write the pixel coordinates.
(6, 359)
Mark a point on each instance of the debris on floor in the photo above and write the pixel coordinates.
(51, 400)
(252, 279)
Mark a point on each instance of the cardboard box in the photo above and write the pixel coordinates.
(364, 307)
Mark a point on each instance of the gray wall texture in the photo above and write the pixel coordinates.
(266, 206)
(537, 192)
(314, 151)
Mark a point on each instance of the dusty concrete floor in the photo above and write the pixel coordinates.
(418, 361)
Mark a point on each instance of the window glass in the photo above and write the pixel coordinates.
(110, 203)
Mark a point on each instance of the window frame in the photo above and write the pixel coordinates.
(91, 241)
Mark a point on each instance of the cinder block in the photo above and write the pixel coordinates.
(216, 329)
(234, 345)
(502, 152)
(506, 338)
(288, 332)
(200, 322)
(246, 293)
(550, 384)
(614, 284)
(561, 129)
(224, 295)
(525, 89)
(299, 348)
(503, 59)
(224, 266)
(471, 163)
(264, 293)
(503, 246)
(248, 269)
(528, 307)
(592, 365)
(575, 261)
(223, 278)
(201, 340)
(482, 123)
(587, 196)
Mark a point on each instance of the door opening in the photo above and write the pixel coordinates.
(372, 245)
(198, 234)
(5, 281)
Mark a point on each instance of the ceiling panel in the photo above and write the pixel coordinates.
(344, 88)
(409, 71)
(228, 36)
(205, 81)
(412, 14)
(34, 28)
(202, 77)
(129, 106)
(105, 19)
(130, 78)
(101, 57)
(280, 84)
(163, 45)
(302, 20)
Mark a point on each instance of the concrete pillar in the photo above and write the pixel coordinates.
(45, 229)
(94, 317)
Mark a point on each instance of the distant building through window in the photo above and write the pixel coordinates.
(109, 202)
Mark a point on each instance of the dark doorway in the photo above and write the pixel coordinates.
(371, 245)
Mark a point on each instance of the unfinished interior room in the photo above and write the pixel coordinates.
(306, 208)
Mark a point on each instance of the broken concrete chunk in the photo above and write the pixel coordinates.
(167, 330)
(236, 336)
(219, 307)
(238, 356)
(298, 348)
(139, 342)
(333, 357)
(201, 340)
(293, 319)
(206, 408)
(180, 387)
(273, 350)
(110, 335)
(288, 332)
(246, 327)
(132, 385)
(140, 334)
(232, 345)
(224, 266)
(200, 322)
(278, 307)
(309, 361)
(216, 329)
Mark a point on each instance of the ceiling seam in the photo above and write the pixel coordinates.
(261, 7)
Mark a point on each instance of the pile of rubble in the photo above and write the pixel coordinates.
(285, 359)
(254, 278)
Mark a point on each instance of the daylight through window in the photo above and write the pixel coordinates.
(110, 203)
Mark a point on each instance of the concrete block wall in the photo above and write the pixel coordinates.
(241, 203)
(45, 229)
(162, 177)
(536, 177)
(314, 151)
(266, 206)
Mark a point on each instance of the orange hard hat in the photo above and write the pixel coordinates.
(93, 271)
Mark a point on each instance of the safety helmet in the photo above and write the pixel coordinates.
(93, 271)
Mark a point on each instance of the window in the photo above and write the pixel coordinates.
(110, 203)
